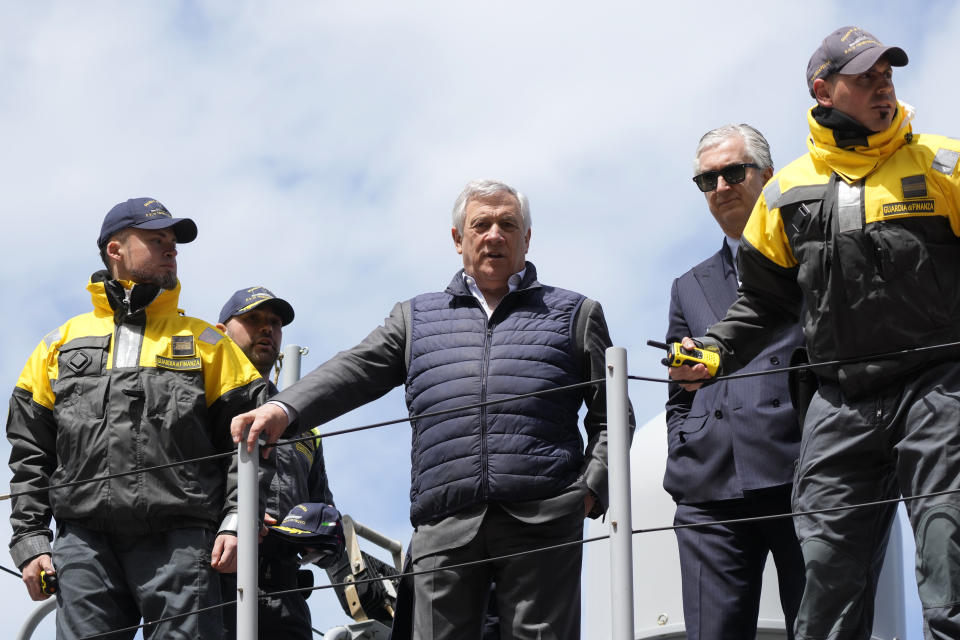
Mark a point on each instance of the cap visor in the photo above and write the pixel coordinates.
(282, 309)
(299, 536)
(897, 56)
(291, 533)
(279, 306)
(184, 228)
(863, 62)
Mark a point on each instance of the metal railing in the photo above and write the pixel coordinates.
(619, 512)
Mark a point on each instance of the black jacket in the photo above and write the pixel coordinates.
(129, 385)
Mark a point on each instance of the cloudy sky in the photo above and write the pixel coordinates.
(319, 147)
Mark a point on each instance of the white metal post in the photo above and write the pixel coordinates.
(248, 517)
(290, 372)
(618, 461)
(248, 514)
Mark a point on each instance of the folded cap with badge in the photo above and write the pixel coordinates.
(144, 213)
(314, 530)
(249, 299)
(314, 525)
(850, 50)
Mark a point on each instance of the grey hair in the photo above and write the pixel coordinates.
(756, 145)
(484, 188)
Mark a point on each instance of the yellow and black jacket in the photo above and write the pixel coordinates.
(129, 385)
(863, 243)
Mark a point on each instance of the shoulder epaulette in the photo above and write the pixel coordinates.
(945, 161)
(210, 336)
(771, 193)
(51, 337)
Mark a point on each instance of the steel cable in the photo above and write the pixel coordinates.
(581, 542)
(291, 441)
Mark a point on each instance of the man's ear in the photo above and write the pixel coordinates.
(221, 326)
(114, 252)
(823, 91)
(457, 240)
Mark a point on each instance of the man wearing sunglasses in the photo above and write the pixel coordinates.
(859, 238)
(731, 447)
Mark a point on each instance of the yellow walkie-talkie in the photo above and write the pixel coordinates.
(49, 583)
(677, 356)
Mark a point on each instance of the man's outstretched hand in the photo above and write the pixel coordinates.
(268, 419)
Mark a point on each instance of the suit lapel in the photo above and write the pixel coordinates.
(718, 280)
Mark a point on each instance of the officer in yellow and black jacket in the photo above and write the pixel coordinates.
(130, 385)
(863, 230)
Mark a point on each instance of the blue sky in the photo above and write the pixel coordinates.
(319, 147)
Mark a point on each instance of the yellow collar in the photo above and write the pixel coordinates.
(858, 162)
(163, 304)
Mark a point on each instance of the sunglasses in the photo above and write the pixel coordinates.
(732, 174)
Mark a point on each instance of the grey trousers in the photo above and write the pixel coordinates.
(110, 582)
(906, 440)
(538, 594)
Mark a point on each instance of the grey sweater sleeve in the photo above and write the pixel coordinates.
(353, 377)
(593, 338)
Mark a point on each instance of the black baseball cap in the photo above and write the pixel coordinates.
(850, 50)
(144, 213)
(312, 524)
(248, 299)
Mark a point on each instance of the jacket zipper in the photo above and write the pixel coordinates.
(127, 345)
(487, 338)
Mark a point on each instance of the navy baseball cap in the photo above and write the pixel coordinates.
(246, 300)
(144, 213)
(312, 524)
(850, 50)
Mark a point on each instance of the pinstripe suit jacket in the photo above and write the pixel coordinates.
(735, 436)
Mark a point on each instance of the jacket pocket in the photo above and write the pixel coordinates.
(808, 231)
(904, 262)
(81, 391)
(176, 427)
(703, 440)
(176, 411)
(691, 428)
(81, 385)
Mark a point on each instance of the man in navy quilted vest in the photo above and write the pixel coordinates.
(490, 481)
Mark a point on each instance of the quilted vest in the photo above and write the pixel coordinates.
(524, 449)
